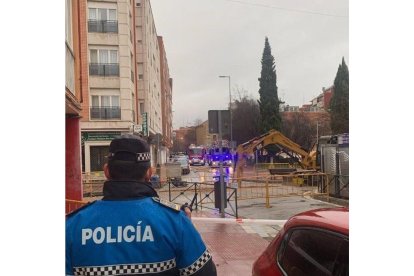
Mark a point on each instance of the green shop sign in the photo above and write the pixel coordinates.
(145, 123)
(99, 136)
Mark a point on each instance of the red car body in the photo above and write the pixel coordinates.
(323, 231)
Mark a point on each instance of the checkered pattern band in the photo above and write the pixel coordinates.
(125, 269)
(142, 157)
(199, 263)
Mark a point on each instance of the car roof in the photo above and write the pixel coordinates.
(334, 219)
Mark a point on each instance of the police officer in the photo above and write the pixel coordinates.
(131, 231)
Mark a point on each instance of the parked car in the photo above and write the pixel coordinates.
(315, 242)
(185, 165)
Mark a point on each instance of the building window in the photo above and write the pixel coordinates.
(68, 22)
(105, 107)
(103, 62)
(141, 107)
(98, 157)
(102, 21)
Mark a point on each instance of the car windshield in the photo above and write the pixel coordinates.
(195, 151)
(182, 161)
(224, 149)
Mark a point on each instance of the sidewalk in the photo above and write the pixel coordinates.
(234, 247)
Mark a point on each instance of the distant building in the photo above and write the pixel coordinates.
(305, 108)
(203, 137)
(183, 137)
(328, 93)
(320, 120)
(288, 108)
(322, 101)
(166, 103)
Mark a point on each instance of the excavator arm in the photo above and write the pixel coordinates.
(274, 137)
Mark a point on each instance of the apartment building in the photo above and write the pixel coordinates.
(149, 78)
(322, 101)
(109, 107)
(166, 100)
(76, 87)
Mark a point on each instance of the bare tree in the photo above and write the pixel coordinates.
(197, 122)
(298, 128)
(245, 117)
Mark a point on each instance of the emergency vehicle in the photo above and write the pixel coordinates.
(214, 157)
(196, 155)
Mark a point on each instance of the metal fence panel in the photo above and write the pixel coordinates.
(329, 167)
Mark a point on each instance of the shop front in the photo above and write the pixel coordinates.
(95, 148)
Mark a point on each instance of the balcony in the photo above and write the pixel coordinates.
(103, 26)
(105, 113)
(104, 69)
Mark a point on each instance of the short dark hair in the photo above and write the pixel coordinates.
(129, 158)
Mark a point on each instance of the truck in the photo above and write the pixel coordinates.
(196, 155)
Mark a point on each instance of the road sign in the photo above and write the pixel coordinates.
(137, 128)
(213, 123)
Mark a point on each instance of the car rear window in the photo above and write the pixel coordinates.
(314, 252)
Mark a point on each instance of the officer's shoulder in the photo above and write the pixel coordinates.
(167, 204)
(84, 207)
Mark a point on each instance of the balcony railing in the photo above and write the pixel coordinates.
(104, 69)
(103, 26)
(104, 113)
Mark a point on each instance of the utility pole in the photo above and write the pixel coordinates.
(222, 188)
(231, 121)
(317, 132)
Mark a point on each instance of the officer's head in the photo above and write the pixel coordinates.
(128, 159)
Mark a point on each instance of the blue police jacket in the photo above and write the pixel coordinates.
(132, 232)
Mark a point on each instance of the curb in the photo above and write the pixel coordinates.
(339, 202)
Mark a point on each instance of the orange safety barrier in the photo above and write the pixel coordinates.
(72, 205)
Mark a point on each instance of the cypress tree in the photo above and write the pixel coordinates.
(339, 106)
(269, 100)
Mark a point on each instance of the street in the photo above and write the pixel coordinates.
(236, 246)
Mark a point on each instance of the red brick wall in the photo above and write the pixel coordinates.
(327, 98)
(165, 93)
(73, 160)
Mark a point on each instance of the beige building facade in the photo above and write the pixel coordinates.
(149, 79)
(203, 137)
(110, 105)
(166, 98)
(124, 79)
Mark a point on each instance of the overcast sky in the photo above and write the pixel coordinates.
(205, 39)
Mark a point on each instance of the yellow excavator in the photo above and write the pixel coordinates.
(307, 160)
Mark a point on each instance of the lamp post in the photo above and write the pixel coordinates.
(231, 123)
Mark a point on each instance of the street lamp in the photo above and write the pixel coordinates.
(231, 123)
